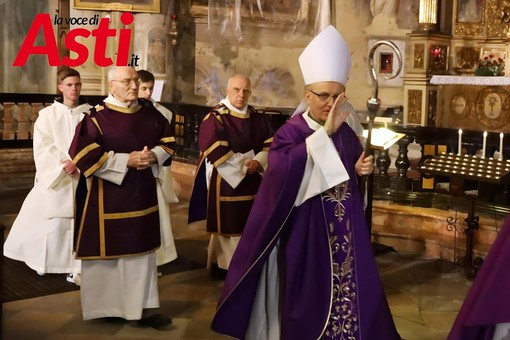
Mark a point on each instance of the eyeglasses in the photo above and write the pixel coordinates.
(323, 96)
(126, 82)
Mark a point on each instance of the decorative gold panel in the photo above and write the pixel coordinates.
(467, 59)
(419, 56)
(492, 106)
(498, 18)
(475, 107)
(414, 101)
(432, 107)
(469, 23)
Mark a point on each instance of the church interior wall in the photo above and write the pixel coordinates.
(16, 18)
(195, 71)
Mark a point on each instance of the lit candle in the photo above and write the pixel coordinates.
(484, 144)
(501, 146)
(460, 142)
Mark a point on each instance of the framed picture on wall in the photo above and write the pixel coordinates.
(386, 64)
(469, 18)
(470, 11)
(149, 6)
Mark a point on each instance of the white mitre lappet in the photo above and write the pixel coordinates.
(326, 58)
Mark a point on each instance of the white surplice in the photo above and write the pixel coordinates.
(119, 288)
(42, 234)
(166, 194)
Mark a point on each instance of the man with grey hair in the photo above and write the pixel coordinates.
(234, 139)
(119, 146)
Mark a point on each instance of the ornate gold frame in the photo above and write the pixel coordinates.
(148, 6)
(469, 29)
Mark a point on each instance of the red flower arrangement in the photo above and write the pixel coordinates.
(490, 65)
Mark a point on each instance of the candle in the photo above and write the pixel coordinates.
(501, 146)
(460, 142)
(484, 144)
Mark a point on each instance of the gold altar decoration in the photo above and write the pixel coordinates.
(492, 107)
(414, 104)
(469, 23)
(467, 58)
(418, 56)
(427, 16)
(473, 103)
(498, 18)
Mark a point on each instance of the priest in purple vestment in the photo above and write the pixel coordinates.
(304, 267)
(234, 139)
(485, 313)
(120, 146)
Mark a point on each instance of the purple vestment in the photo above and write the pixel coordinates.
(488, 300)
(119, 219)
(224, 133)
(330, 286)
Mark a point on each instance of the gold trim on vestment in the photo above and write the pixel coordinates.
(237, 198)
(222, 110)
(130, 214)
(269, 140)
(84, 151)
(214, 146)
(99, 108)
(240, 115)
(223, 159)
(218, 214)
(218, 118)
(96, 166)
(113, 257)
(167, 149)
(96, 123)
(128, 110)
(167, 140)
(100, 203)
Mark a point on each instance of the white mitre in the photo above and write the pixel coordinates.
(326, 58)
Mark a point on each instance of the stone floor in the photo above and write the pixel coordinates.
(424, 297)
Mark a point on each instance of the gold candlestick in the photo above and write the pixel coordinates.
(427, 17)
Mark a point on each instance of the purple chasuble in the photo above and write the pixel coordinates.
(224, 133)
(119, 219)
(330, 286)
(488, 300)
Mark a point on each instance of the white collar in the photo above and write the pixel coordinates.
(312, 124)
(231, 107)
(114, 101)
(64, 106)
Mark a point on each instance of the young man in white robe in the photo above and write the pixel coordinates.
(42, 234)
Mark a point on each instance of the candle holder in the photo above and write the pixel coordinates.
(480, 170)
